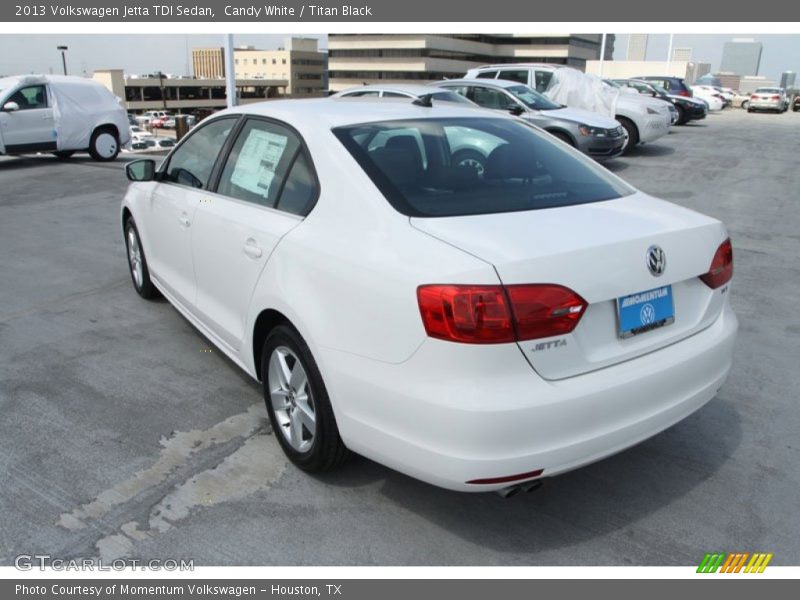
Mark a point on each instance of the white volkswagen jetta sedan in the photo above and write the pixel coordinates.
(475, 330)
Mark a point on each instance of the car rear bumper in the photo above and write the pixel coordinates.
(454, 413)
(766, 104)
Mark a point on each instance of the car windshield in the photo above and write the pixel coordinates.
(441, 167)
(532, 99)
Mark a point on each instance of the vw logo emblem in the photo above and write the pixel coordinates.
(647, 315)
(656, 261)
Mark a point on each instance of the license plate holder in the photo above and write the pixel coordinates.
(645, 311)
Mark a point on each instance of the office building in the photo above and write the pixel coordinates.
(354, 59)
(682, 54)
(300, 63)
(741, 56)
(788, 79)
(208, 63)
(637, 46)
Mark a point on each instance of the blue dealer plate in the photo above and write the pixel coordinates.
(645, 311)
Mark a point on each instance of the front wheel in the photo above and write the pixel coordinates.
(297, 403)
(631, 134)
(137, 263)
(682, 119)
(104, 145)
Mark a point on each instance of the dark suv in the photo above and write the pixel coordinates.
(674, 85)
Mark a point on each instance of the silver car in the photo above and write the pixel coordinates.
(768, 98)
(599, 136)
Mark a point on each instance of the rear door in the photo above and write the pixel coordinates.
(266, 187)
(32, 127)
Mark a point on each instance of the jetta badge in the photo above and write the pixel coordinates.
(656, 261)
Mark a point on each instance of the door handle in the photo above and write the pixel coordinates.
(184, 220)
(252, 249)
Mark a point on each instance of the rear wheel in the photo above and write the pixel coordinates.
(631, 131)
(746, 105)
(104, 144)
(297, 403)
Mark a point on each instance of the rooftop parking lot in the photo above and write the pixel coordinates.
(125, 434)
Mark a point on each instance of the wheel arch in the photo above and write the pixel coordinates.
(265, 322)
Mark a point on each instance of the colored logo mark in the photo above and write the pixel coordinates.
(734, 562)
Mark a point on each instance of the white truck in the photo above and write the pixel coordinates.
(61, 115)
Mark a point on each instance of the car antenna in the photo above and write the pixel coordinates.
(425, 100)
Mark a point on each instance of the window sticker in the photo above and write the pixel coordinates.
(257, 161)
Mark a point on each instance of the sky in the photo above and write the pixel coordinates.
(145, 53)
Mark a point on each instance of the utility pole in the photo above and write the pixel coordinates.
(230, 72)
(63, 50)
(602, 53)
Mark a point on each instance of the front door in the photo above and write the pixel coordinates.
(31, 128)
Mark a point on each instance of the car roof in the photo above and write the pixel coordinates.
(6, 82)
(337, 112)
(416, 89)
(502, 83)
(549, 66)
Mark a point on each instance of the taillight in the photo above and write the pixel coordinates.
(753, 97)
(721, 269)
(684, 93)
(495, 314)
(775, 97)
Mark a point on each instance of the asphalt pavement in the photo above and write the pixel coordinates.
(123, 433)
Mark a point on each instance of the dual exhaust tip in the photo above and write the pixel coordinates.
(513, 490)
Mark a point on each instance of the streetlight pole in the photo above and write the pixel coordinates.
(63, 50)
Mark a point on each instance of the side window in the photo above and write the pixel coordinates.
(543, 80)
(487, 75)
(192, 163)
(362, 94)
(31, 97)
(256, 170)
(490, 98)
(394, 95)
(520, 76)
(300, 189)
(461, 90)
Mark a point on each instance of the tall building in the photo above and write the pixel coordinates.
(788, 79)
(299, 62)
(741, 56)
(354, 59)
(637, 46)
(208, 63)
(682, 54)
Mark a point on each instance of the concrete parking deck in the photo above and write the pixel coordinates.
(123, 433)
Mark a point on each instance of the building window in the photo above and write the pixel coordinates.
(263, 61)
(236, 61)
(274, 62)
(283, 61)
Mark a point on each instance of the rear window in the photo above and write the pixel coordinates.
(469, 166)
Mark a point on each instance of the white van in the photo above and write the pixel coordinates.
(62, 115)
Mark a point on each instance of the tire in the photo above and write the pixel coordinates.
(63, 154)
(749, 109)
(137, 262)
(632, 131)
(746, 105)
(563, 137)
(104, 144)
(682, 118)
(470, 158)
(298, 402)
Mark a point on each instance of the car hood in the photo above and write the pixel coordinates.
(579, 115)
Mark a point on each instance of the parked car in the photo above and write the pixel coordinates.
(644, 120)
(768, 98)
(477, 332)
(400, 90)
(712, 98)
(150, 116)
(598, 136)
(740, 100)
(674, 85)
(646, 89)
(708, 92)
(61, 115)
(796, 104)
(688, 109)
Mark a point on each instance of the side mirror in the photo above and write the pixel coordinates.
(10, 107)
(516, 110)
(141, 170)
